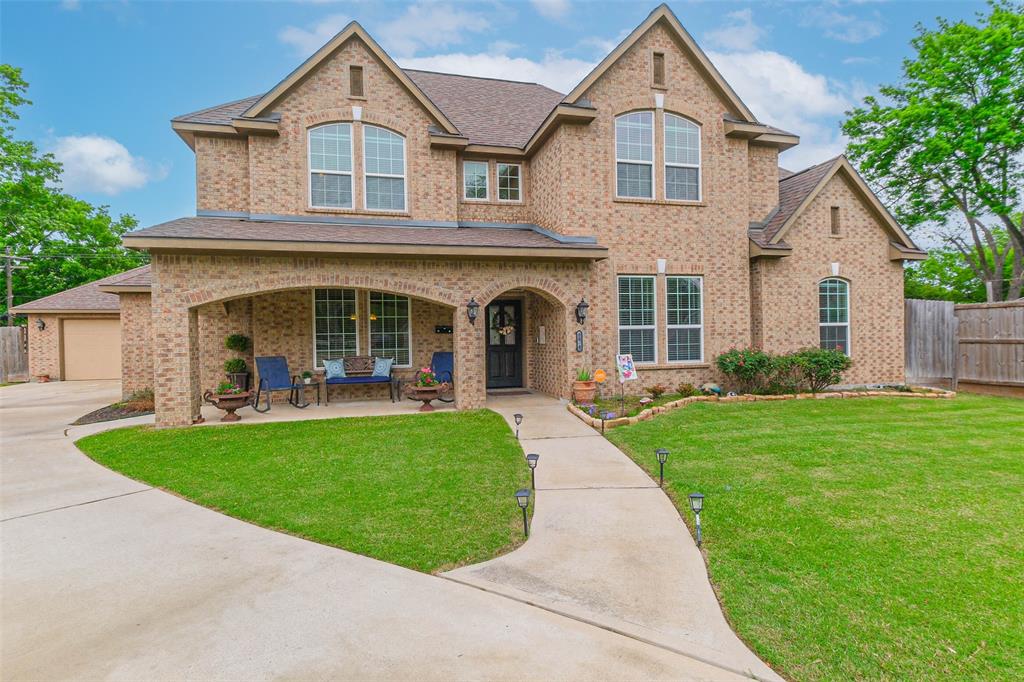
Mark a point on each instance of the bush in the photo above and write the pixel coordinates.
(657, 390)
(821, 368)
(583, 375)
(235, 366)
(239, 343)
(687, 389)
(748, 367)
(783, 376)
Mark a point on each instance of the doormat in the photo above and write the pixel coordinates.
(517, 391)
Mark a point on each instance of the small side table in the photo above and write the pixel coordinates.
(314, 382)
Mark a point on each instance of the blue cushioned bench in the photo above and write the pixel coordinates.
(359, 370)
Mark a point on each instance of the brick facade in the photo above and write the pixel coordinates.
(44, 347)
(136, 343)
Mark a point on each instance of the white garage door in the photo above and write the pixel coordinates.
(92, 349)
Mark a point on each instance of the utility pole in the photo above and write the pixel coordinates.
(8, 267)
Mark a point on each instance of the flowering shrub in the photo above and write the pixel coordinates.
(657, 390)
(228, 388)
(426, 378)
(746, 366)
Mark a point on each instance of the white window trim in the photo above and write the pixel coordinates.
(700, 288)
(700, 158)
(369, 330)
(650, 163)
(497, 180)
(653, 327)
(311, 170)
(312, 297)
(487, 180)
(849, 339)
(403, 176)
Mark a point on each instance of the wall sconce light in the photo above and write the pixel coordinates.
(40, 325)
(581, 310)
(472, 310)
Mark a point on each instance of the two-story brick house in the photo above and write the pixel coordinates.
(359, 208)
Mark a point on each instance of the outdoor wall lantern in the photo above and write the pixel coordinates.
(696, 504)
(662, 454)
(40, 324)
(581, 310)
(472, 310)
(519, 420)
(523, 498)
(531, 461)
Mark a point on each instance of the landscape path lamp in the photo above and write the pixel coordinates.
(662, 454)
(519, 420)
(531, 461)
(472, 310)
(523, 498)
(697, 504)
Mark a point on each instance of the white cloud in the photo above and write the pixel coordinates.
(848, 28)
(554, 70)
(93, 163)
(308, 41)
(552, 9)
(860, 60)
(71, 5)
(429, 25)
(739, 33)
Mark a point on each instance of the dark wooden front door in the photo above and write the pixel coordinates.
(504, 344)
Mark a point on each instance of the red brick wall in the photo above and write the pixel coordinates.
(136, 343)
(44, 347)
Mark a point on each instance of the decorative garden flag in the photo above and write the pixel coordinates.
(624, 367)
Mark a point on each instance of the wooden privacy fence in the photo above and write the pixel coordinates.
(13, 354)
(977, 343)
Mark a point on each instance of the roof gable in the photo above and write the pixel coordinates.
(662, 14)
(86, 298)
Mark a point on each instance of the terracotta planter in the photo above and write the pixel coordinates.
(43, 378)
(584, 391)
(229, 403)
(426, 394)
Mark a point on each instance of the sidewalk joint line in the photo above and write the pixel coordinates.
(77, 504)
(603, 487)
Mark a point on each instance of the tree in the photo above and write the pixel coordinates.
(944, 276)
(946, 146)
(61, 241)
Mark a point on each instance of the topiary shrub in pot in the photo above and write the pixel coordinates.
(237, 372)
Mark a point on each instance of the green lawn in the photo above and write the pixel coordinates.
(423, 491)
(876, 538)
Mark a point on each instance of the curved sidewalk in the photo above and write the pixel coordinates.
(607, 546)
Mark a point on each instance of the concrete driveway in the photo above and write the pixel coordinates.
(104, 578)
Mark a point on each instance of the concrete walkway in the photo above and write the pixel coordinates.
(106, 578)
(607, 546)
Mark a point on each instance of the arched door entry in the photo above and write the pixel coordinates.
(505, 344)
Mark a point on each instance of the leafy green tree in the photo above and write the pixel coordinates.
(59, 240)
(946, 145)
(944, 276)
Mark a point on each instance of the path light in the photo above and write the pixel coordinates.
(581, 310)
(519, 420)
(531, 461)
(662, 454)
(472, 310)
(696, 504)
(523, 498)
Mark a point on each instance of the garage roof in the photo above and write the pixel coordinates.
(87, 298)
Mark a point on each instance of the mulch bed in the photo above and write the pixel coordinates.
(110, 413)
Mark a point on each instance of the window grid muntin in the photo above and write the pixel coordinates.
(834, 315)
(684, 318)
(384, 189)
(634, 155)
(475, 180)
(391, 332)
(330, 154)
(509, 183)
(682, 159)
(637, 317)
(335, 333)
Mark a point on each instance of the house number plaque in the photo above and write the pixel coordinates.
(579, 341)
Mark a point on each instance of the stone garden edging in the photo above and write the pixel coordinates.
(651, 412)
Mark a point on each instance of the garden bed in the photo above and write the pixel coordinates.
(137, 405)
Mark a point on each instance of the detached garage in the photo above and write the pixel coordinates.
(92, 348)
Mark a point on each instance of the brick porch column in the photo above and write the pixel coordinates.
(176, 366)
(470, 371)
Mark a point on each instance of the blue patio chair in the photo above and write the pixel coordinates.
(274, 377)
(443, 366)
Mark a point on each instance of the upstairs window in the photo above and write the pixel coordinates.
(384, 167)
(509, 187)
(636, 317)
(682, 159)
(330, 166)
(684, 321)
(474, 180)
(355, 81)
(634, 155)
(834, 315)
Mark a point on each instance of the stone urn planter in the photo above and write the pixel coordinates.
(584, 391)
(229, 402)
(426, 394)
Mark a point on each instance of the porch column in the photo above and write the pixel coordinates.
(176, 365)
(470, 372)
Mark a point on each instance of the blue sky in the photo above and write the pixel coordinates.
(106, 77)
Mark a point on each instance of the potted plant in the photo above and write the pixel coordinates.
(238, 372)
(584, 388)
(307, 377)
(426, 388)
(228, 397)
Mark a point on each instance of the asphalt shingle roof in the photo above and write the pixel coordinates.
(793, 189)
(87, 297)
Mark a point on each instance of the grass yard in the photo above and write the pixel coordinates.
(876, 538)
(427, 492)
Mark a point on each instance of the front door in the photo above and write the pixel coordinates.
(504, 344)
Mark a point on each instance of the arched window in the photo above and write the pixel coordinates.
(834, 315)
(634, 155)
(682, 159)
(330, 166)
(384, 169)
